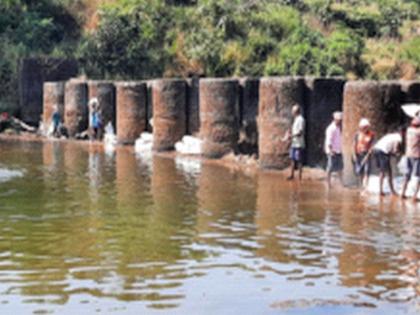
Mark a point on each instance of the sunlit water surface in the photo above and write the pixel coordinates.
(83, 232)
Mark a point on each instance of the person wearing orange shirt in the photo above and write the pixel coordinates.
(362, 146)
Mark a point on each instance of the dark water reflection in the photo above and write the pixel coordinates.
(87, 232)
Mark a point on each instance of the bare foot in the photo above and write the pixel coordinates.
(289, 178)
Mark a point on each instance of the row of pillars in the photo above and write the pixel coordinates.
(226, 113)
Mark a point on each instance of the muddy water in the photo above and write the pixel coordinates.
(83, 232)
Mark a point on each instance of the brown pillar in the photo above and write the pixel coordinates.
(169, 121)
(104, 91)
(322, 98)
(277, 97)
(193, 108)
(131, 111)
(248, 112)
(53, 95)
(377, 101)
(75, 108)
(218, 116)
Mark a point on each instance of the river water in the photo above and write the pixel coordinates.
(84, 232)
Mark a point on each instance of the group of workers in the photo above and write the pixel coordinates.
(404, 142)
(95, 131)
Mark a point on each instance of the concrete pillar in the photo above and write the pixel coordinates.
(169, 118)
(193, 108)
(377, 101)
(218, 117)
(322, 98)
(53, 95)
(75, 108)
(248, 112)
(104, 91)
(277, 97)
(131, 111)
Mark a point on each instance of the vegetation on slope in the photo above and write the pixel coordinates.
(135, 39)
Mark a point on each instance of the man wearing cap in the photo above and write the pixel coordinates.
(362, 145)
(333, 147)
(95, 121)
(412, 152)
(297, 137)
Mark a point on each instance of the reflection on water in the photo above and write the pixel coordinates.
(83, 231)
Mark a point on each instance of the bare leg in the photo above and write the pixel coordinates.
(381, 183)
(292, 170)
(329, 179)
(405, 185)
(300, 170)
(416, 192)
(391, 182)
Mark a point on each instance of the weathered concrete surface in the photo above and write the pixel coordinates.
(169, 114)
(410, 91)
(76, 107)
(193, 107)
(131, 111)
(248, 112)
(104, 91)
(218, 116)
(53, 95)
(322, 98)
(33, 72)
(277, 97)
(377, 101)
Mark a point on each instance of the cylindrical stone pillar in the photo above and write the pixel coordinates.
(104, 91)
(218, 116)
(75, 108)
(248, 112)
(169, 118)
(277, 97)
(131, 111)
(53, 95)
(193, 108)
(378, 102)
(323, 97)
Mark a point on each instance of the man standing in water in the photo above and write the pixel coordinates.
(362, 145)
(412, 152)
(333, 147)
(297, 137)
(388, 146)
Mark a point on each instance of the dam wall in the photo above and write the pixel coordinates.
(240, 116)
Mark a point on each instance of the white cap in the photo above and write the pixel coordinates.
(93, 101)
(364, 123)
(338, 116)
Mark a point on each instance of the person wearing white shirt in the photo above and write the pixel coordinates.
(297, 138)
(333, 147)
(388, 146)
